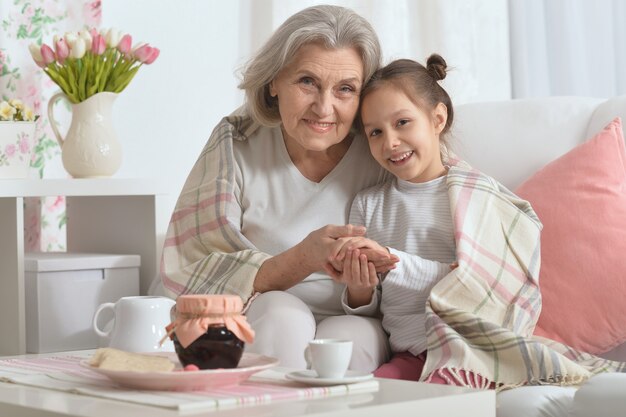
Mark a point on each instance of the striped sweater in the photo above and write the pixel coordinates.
(413, 220)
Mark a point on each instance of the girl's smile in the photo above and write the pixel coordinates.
(402, 158)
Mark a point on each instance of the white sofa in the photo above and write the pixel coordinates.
(511, 140)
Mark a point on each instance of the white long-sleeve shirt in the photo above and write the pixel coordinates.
(279, 206)
(414, 221)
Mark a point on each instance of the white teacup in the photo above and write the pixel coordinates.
(329, 358)
(138, 324)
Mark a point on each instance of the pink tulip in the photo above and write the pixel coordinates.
(47, 54)
(93, 32)
(142, 53)
(98, 44)
(125, 44)
(153, 56)
(146, 54)
(62, 50)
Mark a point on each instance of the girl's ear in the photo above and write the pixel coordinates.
(440, 117)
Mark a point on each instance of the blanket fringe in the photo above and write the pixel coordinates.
(470, 379)
(461, 378)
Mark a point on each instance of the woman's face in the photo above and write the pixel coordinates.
(318, 95)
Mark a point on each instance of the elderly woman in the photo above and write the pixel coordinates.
(263, 207)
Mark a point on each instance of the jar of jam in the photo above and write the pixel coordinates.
(209, 331)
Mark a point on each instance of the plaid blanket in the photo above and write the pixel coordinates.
(481, 316)
(205, 251)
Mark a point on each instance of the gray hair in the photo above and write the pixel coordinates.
(333, 26)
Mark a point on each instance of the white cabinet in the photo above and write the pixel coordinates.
(107, 215)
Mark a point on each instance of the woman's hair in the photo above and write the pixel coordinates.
(332, 26)
(418, 82)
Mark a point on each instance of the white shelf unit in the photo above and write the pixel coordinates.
(104, 215)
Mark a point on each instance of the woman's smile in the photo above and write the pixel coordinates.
(320, 127)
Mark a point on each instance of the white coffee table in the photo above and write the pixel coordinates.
(394, 398)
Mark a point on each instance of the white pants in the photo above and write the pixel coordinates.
(284, 325)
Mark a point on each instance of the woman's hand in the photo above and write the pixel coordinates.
(319, 247)
(358, 275)
(283, 271)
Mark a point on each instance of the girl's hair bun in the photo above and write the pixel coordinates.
(436, 67)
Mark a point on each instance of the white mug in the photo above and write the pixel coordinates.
(329, 358)
(138, 324)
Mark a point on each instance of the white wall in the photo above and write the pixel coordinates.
(473, 37)
(168, 111)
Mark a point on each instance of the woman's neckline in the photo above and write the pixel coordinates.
(323, 176)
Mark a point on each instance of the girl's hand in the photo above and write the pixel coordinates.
(359, 243)
(378, 255)
(382, 263)
(358, 275)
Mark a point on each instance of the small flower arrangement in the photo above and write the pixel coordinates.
(16, 111)
(89, 62)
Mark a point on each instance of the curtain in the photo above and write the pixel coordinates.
(568, 47)
(23, 22)
(473, 37)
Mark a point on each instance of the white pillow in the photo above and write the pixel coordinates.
(604, 395)
(510, 140)
(535, 401)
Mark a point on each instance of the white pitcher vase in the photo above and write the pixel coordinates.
(90, 148)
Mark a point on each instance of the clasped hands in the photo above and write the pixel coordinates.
(355, 255)
(349, 257)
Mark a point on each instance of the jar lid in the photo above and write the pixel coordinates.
(196, 312)
(209, 304)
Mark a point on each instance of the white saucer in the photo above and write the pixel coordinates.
(310, 377)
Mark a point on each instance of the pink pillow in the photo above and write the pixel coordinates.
(581, 201)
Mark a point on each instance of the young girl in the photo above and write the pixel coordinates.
(461, 306)
(404, 113)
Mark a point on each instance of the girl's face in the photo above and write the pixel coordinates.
(318, 96)
(402, 137)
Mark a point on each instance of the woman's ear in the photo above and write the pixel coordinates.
(440, 117)
(273, 92)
